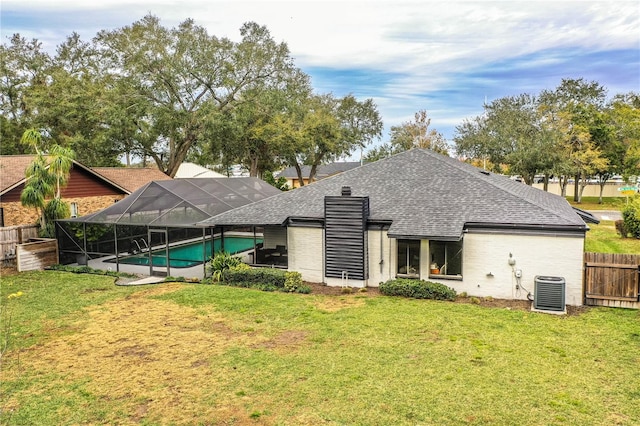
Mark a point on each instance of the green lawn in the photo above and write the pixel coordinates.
(602, 238)
(591, 203)
(84, 351)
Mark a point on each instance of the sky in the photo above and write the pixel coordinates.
(445, 57)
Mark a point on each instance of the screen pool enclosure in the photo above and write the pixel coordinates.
(156, 227)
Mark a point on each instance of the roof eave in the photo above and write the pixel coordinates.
(528, 227)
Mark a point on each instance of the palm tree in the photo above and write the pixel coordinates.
(60, 165)
(38, 187)
(46, 180)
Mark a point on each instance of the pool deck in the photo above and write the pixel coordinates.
(102, 264)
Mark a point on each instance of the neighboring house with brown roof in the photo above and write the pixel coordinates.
(87, 191)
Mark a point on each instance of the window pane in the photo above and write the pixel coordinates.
(402, 256)
(446, 257)
(414, 257)
(454, 258)
(408, 257)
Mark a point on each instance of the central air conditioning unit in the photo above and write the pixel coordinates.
(549, 294)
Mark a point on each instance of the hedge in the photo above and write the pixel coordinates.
(417, 289)
(266, 279)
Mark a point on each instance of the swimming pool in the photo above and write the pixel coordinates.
(188, 255)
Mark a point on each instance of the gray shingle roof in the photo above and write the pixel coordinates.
(424, 195)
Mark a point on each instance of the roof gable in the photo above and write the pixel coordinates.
(13, 169)
(423, 194)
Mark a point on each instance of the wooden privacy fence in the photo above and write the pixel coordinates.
(11, 236)
(612, 280)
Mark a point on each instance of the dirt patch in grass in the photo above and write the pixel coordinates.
(289, 339)
(335, 304)
(6, 270)
(318, 288)
(151, 356)
(521, 305)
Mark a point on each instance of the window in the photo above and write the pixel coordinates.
(446, 258)
(1, 216)
(409, 258)
(74, 209)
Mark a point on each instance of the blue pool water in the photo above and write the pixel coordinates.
(188, 255)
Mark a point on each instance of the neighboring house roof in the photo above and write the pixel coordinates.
(423, 195)
(130, 178)
(192, 170)
(126, 179)
(323, 171)
(13, 168)
(182, 202)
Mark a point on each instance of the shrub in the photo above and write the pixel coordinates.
(631, 216)
(417, 289)
(220, 262)
(265, 279)
(292, 281)
(265, 276)
(621, 229)
(304, 289)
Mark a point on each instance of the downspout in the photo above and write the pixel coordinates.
(381, 250)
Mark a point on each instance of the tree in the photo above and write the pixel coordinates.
(411, 134)
(510, 132)
(23, 68)
(74, 104)
(280, 183)
(178, 80)
(45, 177)
(573, 109)
(623, 115)
(322, 128)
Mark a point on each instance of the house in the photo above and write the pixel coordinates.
(419, 214)
(88, 189)
(322, 172)
(192, 170)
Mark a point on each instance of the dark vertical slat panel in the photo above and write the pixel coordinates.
(345, 236)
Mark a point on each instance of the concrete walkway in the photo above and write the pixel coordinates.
(607, 214)
(141, 281)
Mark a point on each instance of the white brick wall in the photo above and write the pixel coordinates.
(305, 252)
(482, 254)
(380, 272)
(534, 255)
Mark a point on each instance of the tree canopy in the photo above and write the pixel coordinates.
(570, 132)
(168, 94)
(411, 134)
